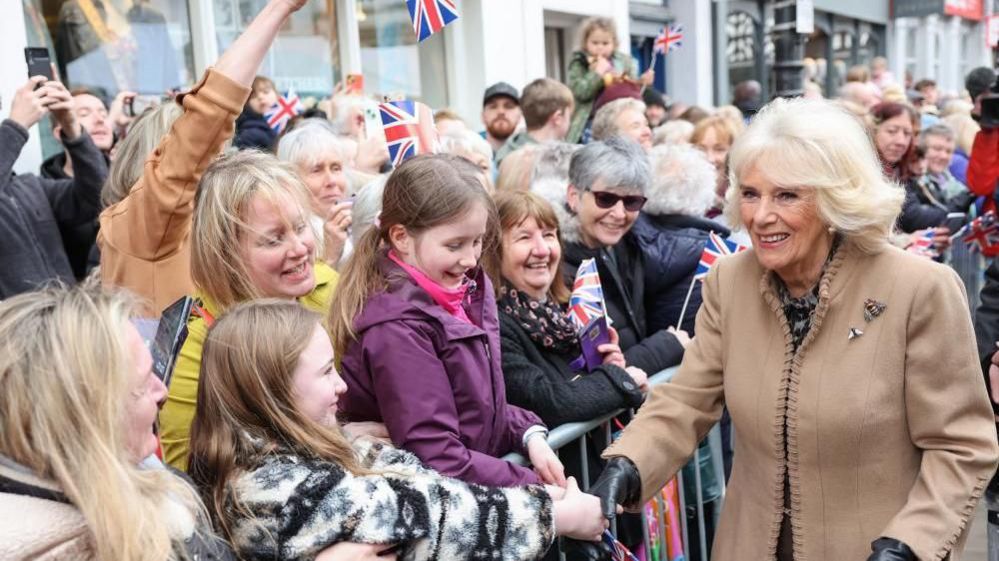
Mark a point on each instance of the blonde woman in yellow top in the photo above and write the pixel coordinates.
(251, 239)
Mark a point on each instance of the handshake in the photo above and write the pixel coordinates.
(619, 484)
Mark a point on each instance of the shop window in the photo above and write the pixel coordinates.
(305, 54)
(114, 45)
(394, 64)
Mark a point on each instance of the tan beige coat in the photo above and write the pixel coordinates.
(38, 529)
(889, 434)
(145, 238)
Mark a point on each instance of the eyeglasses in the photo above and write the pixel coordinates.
(605, 199)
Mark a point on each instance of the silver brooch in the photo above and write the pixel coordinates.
(873, 309)
(854, 333)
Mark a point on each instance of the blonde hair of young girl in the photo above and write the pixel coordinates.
(245, 391)
(423, 192)
(224, 195)
(590, 25)
(65, 370)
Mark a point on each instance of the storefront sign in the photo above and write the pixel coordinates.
(805, 20)
(916, 8)
(992, 32)
(968, 9)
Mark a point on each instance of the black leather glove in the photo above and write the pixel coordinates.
(618, 484)
(889, 549)
(576, 550)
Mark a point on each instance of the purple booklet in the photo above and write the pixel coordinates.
(595, 334)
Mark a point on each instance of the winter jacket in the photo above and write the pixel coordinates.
(888, 433)
(672, 245)
(586, 86)
(177, 413)
(252, 131)
(38, 523)
(297, 506)
(436, 381)
(145, 239)
(542, 380)
(624, 295)
(80, 242)
(34, 209)
(516, 141)
(917, 214)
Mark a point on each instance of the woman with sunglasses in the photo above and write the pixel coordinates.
(607, 182)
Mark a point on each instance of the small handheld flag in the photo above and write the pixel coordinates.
(280, 113)
(409, 129)
(430, 16)
(923, 245)
(586, 303)
(715, 248)
(669, 39)
(981, 234)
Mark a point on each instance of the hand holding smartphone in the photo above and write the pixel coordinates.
(39, 62)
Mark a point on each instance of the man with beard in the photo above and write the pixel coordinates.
(500, 113)
(78, 240)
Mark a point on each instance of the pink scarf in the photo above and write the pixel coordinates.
(448, 298)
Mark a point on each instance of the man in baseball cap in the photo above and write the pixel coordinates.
(500, 113)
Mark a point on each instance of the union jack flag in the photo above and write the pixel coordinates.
(982, 233)
(430, 16)
(409, 129)
(923, 245)
(669, 39)
(587, 300)
(715, 248)
(287, 106)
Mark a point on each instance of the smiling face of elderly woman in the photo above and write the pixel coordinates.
(607, 182)
(804, 172)
(788, 235)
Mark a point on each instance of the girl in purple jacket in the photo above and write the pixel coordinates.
(414, 320)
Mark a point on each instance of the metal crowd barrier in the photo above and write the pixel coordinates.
(565, 434)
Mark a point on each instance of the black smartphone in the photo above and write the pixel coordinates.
(170, 335)
(39, 62)
(955, 221)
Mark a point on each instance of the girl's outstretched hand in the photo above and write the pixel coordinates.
(546, 464)
(578, 514)
(349, 551)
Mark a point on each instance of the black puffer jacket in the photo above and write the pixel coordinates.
(672, 245)
(34, 209)
(624, 295)
(252, 131)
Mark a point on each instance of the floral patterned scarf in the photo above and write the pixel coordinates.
(544, 320)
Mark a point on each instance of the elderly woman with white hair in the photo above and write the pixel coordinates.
(848, 366)
(319, 158)
(623, 117)
(672, 231)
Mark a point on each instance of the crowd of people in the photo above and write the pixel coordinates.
(366, 342)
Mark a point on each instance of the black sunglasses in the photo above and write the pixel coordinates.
(605, 199)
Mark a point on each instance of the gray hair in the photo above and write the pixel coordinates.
(456, 142)
(940, 129)
(553, 161)
(676, 131)
(366, 208)
(683, 181)
(604, 122)
(308, 142)
(618, 162)
(342, 106)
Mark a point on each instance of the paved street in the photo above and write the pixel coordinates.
(976, 550)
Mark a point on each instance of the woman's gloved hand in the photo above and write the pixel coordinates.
(577, 550)
(619, 484)
(889, 549)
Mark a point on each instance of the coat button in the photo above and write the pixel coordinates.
(628, 386)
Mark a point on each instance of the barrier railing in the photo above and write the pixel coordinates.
(568, 433)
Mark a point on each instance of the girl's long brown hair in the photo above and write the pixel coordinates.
(423, 192)
(246, 404)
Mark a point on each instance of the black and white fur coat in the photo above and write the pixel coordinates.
(298, 506)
